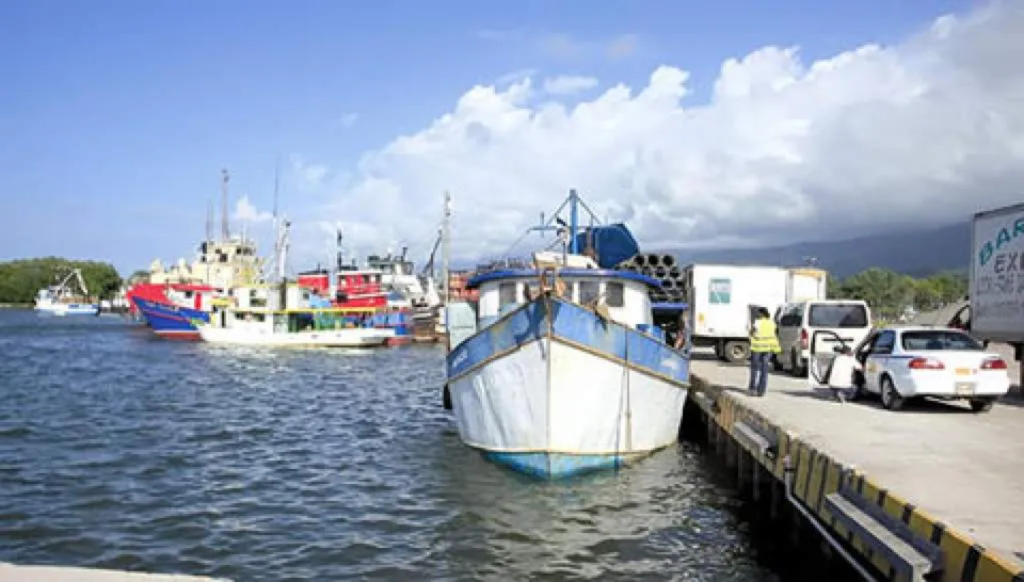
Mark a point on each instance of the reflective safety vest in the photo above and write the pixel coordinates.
(763, 339)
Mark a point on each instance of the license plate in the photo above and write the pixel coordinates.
(964, 371)
(964, 388)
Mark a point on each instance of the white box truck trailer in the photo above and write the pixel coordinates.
(996, 279)
(720, 299)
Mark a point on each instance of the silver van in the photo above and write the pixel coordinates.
(797, 322)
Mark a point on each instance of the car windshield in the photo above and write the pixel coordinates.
(936, 340)
(837, 315)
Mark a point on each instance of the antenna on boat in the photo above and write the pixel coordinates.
(340, 255)
(225, 233)
(277, 182)
(574, 221)
(209, 220)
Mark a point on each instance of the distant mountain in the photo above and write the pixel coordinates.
(917, 253)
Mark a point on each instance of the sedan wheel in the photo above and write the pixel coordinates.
(891, 399)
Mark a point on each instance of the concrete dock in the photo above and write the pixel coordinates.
(16, 573)
(943, 485)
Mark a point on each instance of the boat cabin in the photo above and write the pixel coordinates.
(273, 309)
(355, 288)
(625, 295)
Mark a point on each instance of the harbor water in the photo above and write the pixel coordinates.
(121, 450)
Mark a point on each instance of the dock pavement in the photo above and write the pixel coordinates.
(18, 573)
(954, 477)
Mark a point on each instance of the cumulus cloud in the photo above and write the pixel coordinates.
(569, 84)
(876, 138)
(310, 174)
(246, 212)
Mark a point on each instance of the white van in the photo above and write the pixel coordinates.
(797, 322)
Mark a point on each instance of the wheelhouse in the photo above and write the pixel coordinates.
(625, 295)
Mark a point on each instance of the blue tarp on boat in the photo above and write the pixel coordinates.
(613, 243)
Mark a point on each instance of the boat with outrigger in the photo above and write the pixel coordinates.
(559, 368)
(60, 299)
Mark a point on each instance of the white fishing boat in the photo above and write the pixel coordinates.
(559, 368)
(60, 299)
(283, 314)
(290, 328)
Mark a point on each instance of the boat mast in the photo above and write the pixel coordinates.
(445, 251)
(574, 220)
(224, 232)
(81, 281)
(209, 238)
(282, 249)
(277, 221)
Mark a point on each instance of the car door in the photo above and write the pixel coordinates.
(878, 359)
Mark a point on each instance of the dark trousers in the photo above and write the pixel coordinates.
(759, 372)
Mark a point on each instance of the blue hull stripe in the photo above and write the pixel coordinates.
(574, 325)
(557, 465)
(169, 319)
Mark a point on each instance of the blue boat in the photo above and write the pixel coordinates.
(171, 321)
(559, 368)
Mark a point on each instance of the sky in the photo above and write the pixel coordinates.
(710, 124)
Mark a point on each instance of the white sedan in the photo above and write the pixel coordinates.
(899, 363)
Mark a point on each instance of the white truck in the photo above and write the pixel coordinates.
(996, 280)
(721, 298)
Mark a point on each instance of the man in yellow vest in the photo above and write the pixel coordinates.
(763, 343)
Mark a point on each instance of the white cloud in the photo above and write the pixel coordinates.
(310, 174)
(516, 76)
(246, 212)
(569, 84)
(879, 137)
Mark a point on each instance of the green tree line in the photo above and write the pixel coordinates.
(20, 280)
(890, 294)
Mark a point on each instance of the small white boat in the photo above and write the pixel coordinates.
(59, 299)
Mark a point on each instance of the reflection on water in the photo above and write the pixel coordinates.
(121, 450)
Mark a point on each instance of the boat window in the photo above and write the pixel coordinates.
(506, 294)
(589, 292)
(614, 295)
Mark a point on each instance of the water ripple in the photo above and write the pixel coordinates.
(118, 450)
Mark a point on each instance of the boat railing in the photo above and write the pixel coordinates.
(310, 310)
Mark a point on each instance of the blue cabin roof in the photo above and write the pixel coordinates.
(591, 273)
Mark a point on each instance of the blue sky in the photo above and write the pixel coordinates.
(116, 116)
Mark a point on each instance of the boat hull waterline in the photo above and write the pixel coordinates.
(341, 338)
(65, 309)
(171, 321)
(553, 390)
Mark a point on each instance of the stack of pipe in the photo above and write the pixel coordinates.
(660, 267)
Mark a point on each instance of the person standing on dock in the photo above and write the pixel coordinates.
(763, 343)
